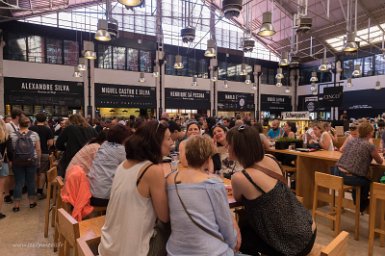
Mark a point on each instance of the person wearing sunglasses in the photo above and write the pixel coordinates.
(277, 223)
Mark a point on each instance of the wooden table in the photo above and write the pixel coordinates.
(310, 162)
(91, 227)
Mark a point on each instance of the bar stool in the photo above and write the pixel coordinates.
(335, 183)
(377, 193)
(51, 182)
(289, 171)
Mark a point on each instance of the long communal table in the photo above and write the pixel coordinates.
(309, 162)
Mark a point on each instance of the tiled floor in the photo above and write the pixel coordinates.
(22, 233)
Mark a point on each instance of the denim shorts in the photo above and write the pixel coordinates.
(4, 170)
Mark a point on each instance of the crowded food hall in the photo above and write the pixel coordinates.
(192, 128)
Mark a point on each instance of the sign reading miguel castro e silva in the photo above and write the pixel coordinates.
(187, 99)
(26, 91)
(124, 96)
(231, 101)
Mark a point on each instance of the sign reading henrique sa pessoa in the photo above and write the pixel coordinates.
(124, 96)
(231, 101)
(187, 99)
(26, 91)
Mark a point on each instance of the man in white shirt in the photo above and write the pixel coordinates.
(11, 127)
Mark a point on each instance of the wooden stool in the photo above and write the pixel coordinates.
(337, 247)
(288, 171)
(335, 183)
(51, 181)
(52, 161)
(377, 193)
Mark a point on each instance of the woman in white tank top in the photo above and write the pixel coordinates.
(138, 194)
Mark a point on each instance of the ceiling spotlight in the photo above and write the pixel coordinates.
(349, 83)
(194, 81)
(279, 74)
(131, 3)
(141, 78)
(225, 84)
(178, 62)
(82, 64)
(187, 34)
(279, 83)
(287, 90)
(247, 81)
(314, 77)
(89, 50)
(77, 73)
(284, 59)
(267, 28)
(211, 49)
(378, 85)
(155, 74)
(102, 33)
(357, 70)
(248, 45)
(351, 45)
(231, 8)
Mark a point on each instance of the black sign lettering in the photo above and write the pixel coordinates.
(275, 103)
(332, 96)
(232, 101)
(187, 99)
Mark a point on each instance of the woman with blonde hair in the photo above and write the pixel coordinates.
(325, 141)
(4, 162)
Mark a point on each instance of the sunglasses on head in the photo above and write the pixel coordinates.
(242, 127)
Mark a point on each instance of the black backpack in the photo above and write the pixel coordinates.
(24, 151)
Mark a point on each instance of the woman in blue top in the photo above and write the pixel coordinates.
(201, 222)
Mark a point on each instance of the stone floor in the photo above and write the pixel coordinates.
(22, 233)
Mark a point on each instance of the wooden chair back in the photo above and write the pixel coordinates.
(328, 181)
(377, 198)
(51, 182)
(338, 246)
(88, 247)
(68, 229)
(52, 160)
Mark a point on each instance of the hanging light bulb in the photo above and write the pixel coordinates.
(284, 59)
(178, 62)
(89, 50)
(194, 81)
(248, 81)
(313, 87)
(287, 90)
(351, 44)
(279, 83)
(279, 74)
(131, 3)
(211, 49)
(349, 83)
(378, 85)
(314, 77)
(214, 78)
(82, 64)
(141, 78)
(77, 72)
(254, 87)
(225, 84)
(267, 28)
(357, 70)
(324, 63)
(102, 33)
(155, 74)
(205, 76)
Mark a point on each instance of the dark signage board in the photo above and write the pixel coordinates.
(187, 99)
(332, 96)
(233, 101)
(364, 99)
(275, 103)
(124, 96)
(26, 91)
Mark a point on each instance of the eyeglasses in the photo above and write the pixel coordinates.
(242, 127)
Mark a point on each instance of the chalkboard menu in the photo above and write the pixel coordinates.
(124, 96)
(232, 101)
(187, 99)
